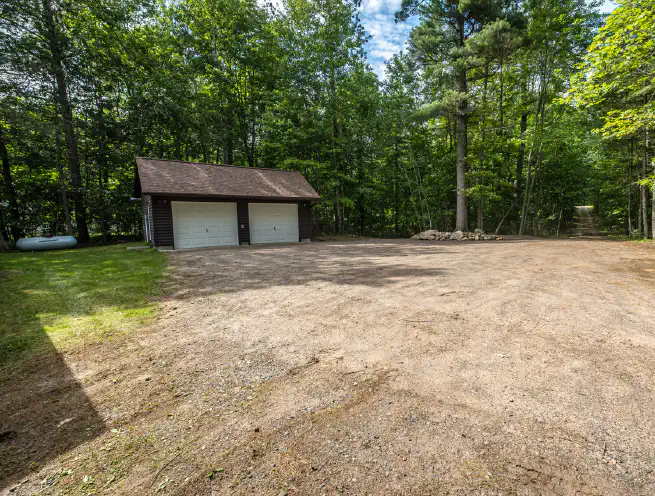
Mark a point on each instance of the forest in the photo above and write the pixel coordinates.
(500, 115)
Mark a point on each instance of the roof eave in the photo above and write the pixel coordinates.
(231, 197)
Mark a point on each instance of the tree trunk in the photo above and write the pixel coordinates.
(531, 158)
(62, 188)
(251, 147)
(461, 217)
(644, 189)
(521, 158)
(178, 146)
(640, 227)
(483, 138)
(4, 245)
(395, 190)
(652, 211)
(228, 143)
(9, 192)
(103, 166)
(66, 111)
(360, 200)
(632, 143)
(500, 104)
(533, 165)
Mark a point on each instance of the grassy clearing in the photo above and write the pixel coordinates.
(72, 297)
(623, 237)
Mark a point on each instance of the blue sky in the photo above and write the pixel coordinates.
(388, 37)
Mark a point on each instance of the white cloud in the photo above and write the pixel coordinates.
(387, 37)
(379, 54)
(381, 5)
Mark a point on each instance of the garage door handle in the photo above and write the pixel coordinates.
(273, 228)
(206, 230)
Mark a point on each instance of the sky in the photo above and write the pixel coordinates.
(388, 38)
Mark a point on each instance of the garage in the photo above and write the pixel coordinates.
(193, 205)
(273, 223)
(204, 224)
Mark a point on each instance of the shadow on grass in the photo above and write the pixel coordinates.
(50, 302)
(44, 412)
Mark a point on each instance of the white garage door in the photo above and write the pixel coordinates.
(199, 224)
(273, 222)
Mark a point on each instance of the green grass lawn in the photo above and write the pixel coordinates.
(67, 298)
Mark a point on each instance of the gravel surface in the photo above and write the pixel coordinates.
(522, 366)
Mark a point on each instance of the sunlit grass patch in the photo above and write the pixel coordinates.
(72, 297)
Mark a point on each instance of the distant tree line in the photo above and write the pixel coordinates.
(486, 121)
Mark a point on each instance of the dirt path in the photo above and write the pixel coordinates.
(380, 367)
(585, 223)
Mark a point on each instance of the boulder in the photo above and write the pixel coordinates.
(434, 235)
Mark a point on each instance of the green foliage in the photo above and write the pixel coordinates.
(619, 70)
(235, 81)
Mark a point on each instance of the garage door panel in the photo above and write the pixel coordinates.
(273, 223)
(203, 224)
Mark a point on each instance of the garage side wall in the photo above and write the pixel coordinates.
(162, 217)
(305, 220)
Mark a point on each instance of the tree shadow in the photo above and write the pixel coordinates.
(44, 412)
(372, 263)
(44, 409)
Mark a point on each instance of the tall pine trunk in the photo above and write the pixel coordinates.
(644, 189)
(461, 217)
(66, 111)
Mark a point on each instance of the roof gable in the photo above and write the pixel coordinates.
(170, 177)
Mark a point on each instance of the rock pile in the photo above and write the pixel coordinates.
(478, 235)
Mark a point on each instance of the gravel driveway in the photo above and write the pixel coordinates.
(390, 367)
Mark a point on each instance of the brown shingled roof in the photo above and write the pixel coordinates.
(170, 177)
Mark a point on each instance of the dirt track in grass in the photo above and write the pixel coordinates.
(376, 367)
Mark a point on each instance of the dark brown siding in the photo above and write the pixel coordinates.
(244, 222)
(305, 220)
(163, 222)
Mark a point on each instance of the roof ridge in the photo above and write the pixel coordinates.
(217, 165)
